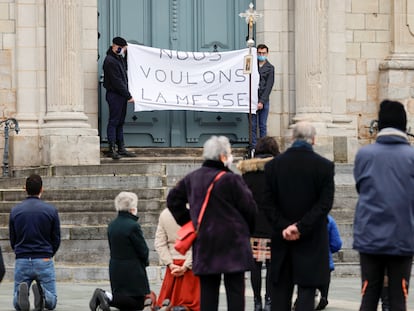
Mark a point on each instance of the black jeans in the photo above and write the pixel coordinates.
(256, 279)
(373, 268)
(117, 113)
(282, 291)
(210, 286)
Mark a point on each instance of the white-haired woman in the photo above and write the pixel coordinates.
(222, 246)
(129, 257)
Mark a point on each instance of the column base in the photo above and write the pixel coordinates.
(336, 139)
(70, 146)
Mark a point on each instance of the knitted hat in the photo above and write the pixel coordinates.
(392, 114)
(119, 41)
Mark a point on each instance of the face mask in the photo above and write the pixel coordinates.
(229, 161)
(120, 51)
(261, 58)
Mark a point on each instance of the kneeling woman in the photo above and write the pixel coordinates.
(129, 257)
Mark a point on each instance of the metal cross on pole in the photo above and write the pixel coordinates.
(251, 16)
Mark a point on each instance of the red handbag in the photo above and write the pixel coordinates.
(188, 233)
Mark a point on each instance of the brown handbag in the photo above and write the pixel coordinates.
(188, 233)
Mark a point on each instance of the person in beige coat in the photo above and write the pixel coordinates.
(180, 285)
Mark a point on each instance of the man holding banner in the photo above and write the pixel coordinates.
(267, 78)
(117, 96)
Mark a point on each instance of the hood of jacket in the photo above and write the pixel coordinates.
(253, 165)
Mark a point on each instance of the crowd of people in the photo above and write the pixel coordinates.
(275, 214)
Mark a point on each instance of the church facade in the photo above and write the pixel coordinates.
(334, 62)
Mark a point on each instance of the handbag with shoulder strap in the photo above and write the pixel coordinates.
(188, 233)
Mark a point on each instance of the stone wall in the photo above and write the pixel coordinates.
(361, 36)
(362, 52)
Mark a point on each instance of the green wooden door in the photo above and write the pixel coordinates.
(186, 25)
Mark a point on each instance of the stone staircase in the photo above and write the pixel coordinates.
(84, 197)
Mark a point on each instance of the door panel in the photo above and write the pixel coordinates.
(199, 25)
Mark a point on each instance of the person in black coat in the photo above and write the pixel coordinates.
(117, 96)
(128, 262)
(2, 266)
(222, 246)
(300, 186)
(253, 174)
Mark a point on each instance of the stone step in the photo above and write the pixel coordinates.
(17, 195)
(84, 197)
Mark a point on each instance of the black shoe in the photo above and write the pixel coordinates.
(323, 302)
(258, 304)
(100, 300)
(125, 153)
(23, 297)
(39, 300)
(112, 152)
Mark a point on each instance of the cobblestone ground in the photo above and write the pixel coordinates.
(344, 295)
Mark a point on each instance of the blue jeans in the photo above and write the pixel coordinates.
(41, 270)
(262, 116)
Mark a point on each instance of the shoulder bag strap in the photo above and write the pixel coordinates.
(205, 202)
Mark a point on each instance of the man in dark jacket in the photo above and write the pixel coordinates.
(117, 96)
(267, 78)
(34, 229)
(300, 187)
(384, 221)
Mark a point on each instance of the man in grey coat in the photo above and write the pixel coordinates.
(384, 216)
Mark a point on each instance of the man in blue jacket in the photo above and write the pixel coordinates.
(34, 229)
(384, 216)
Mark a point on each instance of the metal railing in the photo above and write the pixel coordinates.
(9, 124)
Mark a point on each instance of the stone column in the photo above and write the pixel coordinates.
(397, 70)
(320, 76)
(311, 69)
(29, 84)
(311, 60)
(66, 136)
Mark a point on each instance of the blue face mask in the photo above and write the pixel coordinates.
(261, 58)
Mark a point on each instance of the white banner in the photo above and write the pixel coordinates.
(162, 79)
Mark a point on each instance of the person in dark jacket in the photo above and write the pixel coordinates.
(335, 244)
(117, 96)
(222, 246)
(267, 78)
(2, 266)
(253, 174)
(34, 229)
(384, 221)
(129, 259)
(300, 187)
